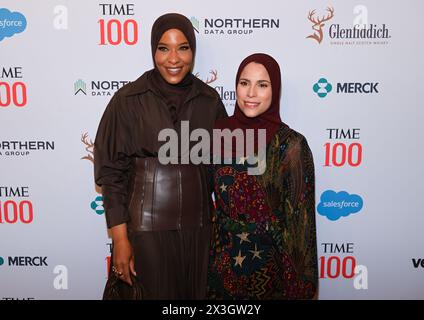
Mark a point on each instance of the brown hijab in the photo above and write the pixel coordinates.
(270, 119)
(173, 94)
(172, 21)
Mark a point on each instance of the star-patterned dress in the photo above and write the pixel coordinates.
(264, 233)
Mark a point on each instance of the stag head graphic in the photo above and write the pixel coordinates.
(214, 74)
(89, 147)
(318, 24)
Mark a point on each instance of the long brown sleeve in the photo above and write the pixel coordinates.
(112, 160)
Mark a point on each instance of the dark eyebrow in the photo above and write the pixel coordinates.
(259, 81)
(180, 44)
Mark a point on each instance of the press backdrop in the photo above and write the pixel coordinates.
(352, 75)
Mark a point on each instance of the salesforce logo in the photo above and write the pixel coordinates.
(11, 23)
(335, 205)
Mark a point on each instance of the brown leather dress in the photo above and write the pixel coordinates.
(168, 197)
(167, 208)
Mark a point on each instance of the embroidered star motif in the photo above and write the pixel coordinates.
(256, 253)
(243, 237)
(239, 259)
(242, 160)
(223, 187)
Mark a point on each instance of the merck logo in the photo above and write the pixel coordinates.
(97, 205)
(322, 87)
(25, 261)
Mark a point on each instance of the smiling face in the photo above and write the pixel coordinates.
(254, 93)
(173, 56)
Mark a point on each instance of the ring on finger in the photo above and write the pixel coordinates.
(118, 273)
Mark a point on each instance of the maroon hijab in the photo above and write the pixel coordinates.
(270, 119)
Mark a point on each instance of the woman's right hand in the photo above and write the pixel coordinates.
(123, 256)
(123, 259)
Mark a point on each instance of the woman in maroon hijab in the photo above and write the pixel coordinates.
(264, 234)
(158, 214)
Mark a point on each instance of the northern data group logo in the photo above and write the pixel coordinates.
(195, 23)
(80, 87)
(98, 88)
(11, 23)
(23, 148)
(233, 26)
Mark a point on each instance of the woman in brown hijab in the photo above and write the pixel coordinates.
(158, 215)
(264, 235)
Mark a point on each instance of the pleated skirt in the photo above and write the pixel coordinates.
(172, 265)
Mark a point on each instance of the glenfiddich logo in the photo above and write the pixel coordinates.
(358, 32)
(97, 204)
(213, 78)
(318, 24)
(89, 147)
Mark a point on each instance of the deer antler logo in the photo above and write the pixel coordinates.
(89, 148)
(318, 24)
(212, 79)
